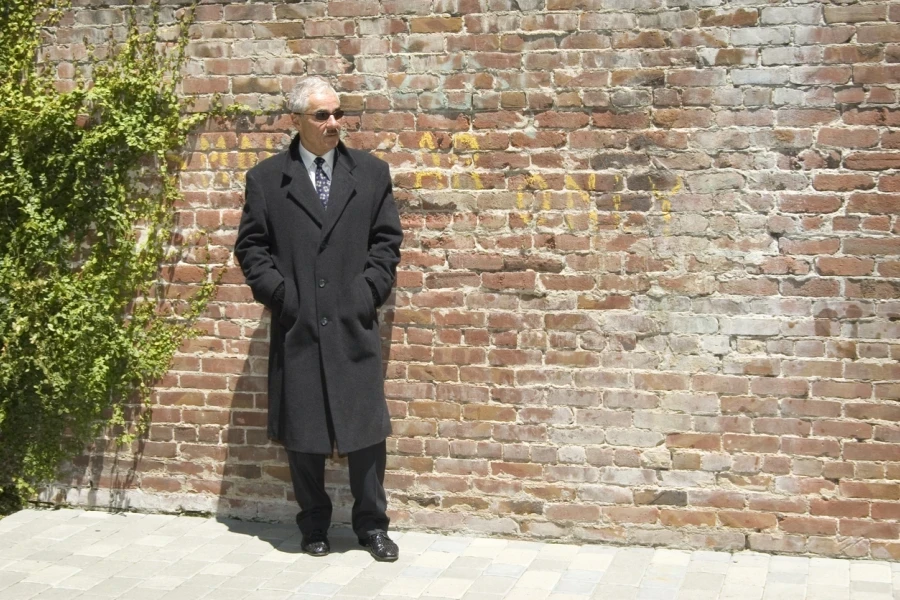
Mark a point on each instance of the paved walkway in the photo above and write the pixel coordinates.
(78, 555)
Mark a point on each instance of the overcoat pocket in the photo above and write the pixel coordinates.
(368, 312)
(290, 311)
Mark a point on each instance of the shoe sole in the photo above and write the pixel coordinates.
(316, 554)
(375, 556)
(382, 558)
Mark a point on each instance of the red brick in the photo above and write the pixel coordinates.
(778, 504)
(884, 510)
(839, 508)
(808, 203)
(808, 525)
(517, 470)
(844, 266)
(720, 383)
(810, 287)
(629, 514)
(509, 281)
(435, 24)
(869, 529)
(810, 447)
(871, 451)
(848, 138)
(741, 17)
(874, 203)
(573, 512)
(871, 246)
(682, 518)
(661, 381)
(634, 120)
(879, 491)
(872, 161)
(842, 429)
(747, 520)
(697, 441)
(683, 118)
(249, 12)
(806, 117)
(750, 443)
(771, 386)
(644, 39)
(842, 182)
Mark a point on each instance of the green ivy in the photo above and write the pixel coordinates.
(87, 186)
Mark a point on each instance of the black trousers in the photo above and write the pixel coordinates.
(366, 484)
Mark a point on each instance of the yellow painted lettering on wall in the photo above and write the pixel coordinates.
(421, 176)
(535, 180)
(665, 202)
(427, 141)
(520, 200)
(466, 140)
(666, 206)
(458, 183)
(582, 198)
(577, 193)
(545, 202)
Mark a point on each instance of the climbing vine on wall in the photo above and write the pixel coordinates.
(87, 186)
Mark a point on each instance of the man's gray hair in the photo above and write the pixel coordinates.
(298, 99)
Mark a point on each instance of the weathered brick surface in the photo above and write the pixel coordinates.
(650, 283)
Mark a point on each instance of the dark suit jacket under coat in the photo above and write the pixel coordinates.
(325, 349)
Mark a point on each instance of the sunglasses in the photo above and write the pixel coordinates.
(324, 115)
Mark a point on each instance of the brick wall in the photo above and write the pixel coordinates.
(649, 289)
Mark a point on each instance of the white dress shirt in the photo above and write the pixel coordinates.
(309, 161)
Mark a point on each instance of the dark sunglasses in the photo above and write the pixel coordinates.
(324, 115)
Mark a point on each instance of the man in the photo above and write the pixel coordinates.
(319, 244)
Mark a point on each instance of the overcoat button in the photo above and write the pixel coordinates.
(324, 321)
(321, 283)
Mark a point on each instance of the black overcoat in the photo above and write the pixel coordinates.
(325, 349)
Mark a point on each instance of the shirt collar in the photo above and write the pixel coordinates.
(309, 159)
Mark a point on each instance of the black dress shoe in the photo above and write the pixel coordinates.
(381, 547)
(315, 544)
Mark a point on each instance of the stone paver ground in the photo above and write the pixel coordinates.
(90, 555)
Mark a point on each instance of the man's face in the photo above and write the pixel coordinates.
(319, 136)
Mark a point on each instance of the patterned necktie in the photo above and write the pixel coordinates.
(323, 184)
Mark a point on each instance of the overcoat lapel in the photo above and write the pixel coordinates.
(299, 187)
(343, 187)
